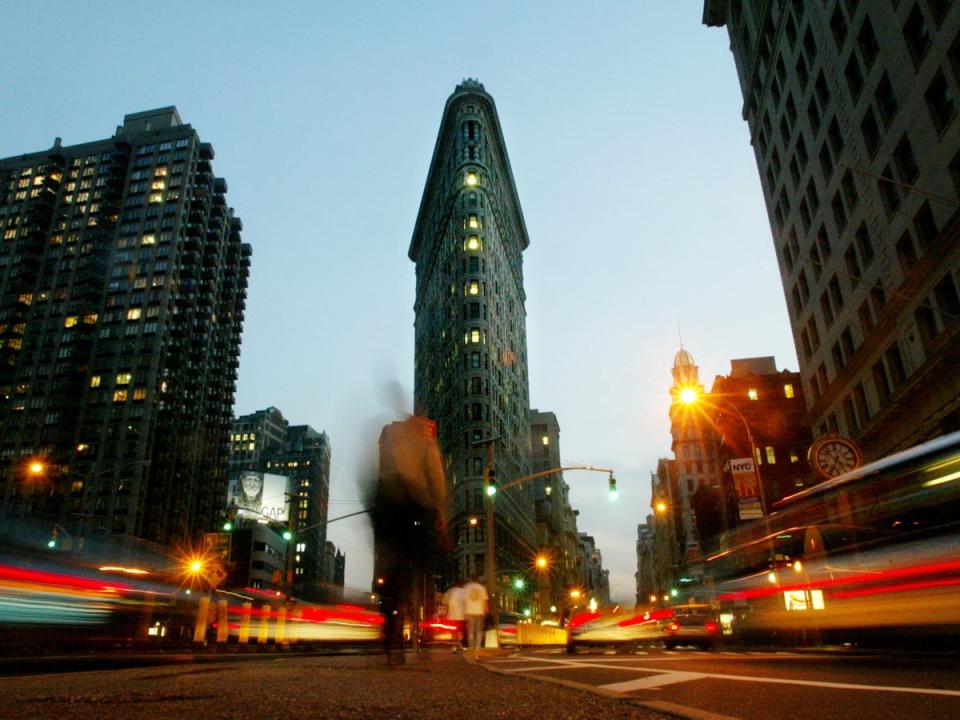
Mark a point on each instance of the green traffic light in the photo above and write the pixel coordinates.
(491, 490)
(287, 535)
(228, 526)
(518, 583)
(52, 544)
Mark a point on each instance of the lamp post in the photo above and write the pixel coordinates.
(690, 396)
(490, 490)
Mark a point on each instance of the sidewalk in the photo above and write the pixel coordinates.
(434, 685)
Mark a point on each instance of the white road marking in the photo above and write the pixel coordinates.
(652, 681)
(669, 676)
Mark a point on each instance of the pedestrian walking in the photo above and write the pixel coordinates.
(475, 610)
(455, 600)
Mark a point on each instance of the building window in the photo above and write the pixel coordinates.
(905, 161)
(133, 314)
(471, 179)
(95, 381)
(886, 100)
(119, 395)
(771, 456)
(788, 390)
(123, 378)
(473, 243)
(940, 100)
(794, 457)
(916, 34)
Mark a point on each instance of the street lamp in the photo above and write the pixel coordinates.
(690, 396)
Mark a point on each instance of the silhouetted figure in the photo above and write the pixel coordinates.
(409, 525)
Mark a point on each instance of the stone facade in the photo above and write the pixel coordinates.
(470, 330)
(852, 115)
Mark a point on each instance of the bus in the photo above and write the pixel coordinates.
(871, 554)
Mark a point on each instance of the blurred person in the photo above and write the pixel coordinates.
(475, 609)
(455, 600)
(409, 526)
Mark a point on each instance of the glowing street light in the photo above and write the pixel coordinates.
(542, 562)
(36, 468)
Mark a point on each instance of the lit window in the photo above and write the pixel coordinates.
(252, 446)
(788, 390)
(546, 440)
(475, 335)
(140, 394)
(119, 395)
(89, 318)
(473, 243)
(474, 221)
(148, 240)
(123, 379)
(771, 456)
(752, 394)
(471, 179)
(158, 185)
(156, 197)
(794, 457)
(70, 321)
(133, 314)
(549, 489)
(473, 288)
(161, 171)
(95, 381)
(245, 437)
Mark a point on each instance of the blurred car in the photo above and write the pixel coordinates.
(615, 626)
(507, 627)
(439, 630)
(691, 625)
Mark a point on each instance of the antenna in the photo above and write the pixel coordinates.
(679, 333)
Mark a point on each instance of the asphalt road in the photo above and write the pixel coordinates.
(756, 685)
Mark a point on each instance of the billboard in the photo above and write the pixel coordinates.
(744, 474)
(260, 496)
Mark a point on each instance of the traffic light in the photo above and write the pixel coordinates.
(52, 542)
(288, 535)
(491, 482)
(227, 526)
(519, 583)
(613, 487)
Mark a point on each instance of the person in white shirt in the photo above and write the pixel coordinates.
(455, 600)
(475, 610)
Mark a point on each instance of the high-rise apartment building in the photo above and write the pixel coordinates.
(304, 457)
(852, 115)
(265, 442)
(122, 287)
(471, 345)
(254, 434)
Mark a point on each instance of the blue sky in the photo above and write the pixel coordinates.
(633, 167)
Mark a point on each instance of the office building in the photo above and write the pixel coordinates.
(122, 288)
(759, 412)
(557, 535)
(851, 109)
(264, 443)
(470, 331)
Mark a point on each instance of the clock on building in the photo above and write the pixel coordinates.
(832, 455)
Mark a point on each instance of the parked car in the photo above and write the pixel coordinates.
(615, 626)
(691, 625)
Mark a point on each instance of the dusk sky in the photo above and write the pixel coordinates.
(623, 125)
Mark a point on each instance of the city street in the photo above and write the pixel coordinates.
(433, 685)
(755, 685)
